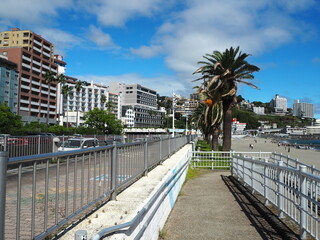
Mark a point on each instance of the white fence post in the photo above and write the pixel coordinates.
(251, 175)
(266, 183)
(280, 189)
(303, 202)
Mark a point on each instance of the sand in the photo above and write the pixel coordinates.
(309, 157)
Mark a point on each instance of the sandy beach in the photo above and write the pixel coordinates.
(309, 157)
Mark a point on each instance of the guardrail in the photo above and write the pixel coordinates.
(293, 190)
(46, 192)
(220, 160)
(18, 146)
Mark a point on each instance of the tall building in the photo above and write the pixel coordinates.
(34, 57)
(89, 97)
(259, 110)
(9, 80)
(279, 104)
(305, 110)
(138, 105)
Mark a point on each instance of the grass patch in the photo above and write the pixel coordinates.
(192, 173)
(203, 146)
(162, 234)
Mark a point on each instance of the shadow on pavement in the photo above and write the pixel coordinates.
(268, 225)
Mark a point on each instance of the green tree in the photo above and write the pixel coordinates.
(48, 78)
(9, 122)
(220, 74)
(79, 85)
(65, 90)
(103, 122)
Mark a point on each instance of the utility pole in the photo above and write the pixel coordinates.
(173, 106)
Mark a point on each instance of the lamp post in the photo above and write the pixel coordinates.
(173, 106)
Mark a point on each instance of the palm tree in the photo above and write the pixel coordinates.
(79, 85)
(61, 81)
(65, 90)
(48, 78)
(220, 74)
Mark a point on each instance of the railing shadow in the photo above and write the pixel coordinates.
(268, 225)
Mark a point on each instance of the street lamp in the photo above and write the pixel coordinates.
(173, 106)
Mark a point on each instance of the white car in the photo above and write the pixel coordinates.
(78, 143)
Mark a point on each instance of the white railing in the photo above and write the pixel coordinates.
(293, 190)
(221, 160)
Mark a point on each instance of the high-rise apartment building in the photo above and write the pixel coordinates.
(137, 101)
(34, 57)
(9, 80)
(279, 104)
(305, 110)
(91, 96)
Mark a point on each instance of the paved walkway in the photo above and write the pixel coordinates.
(213, 207)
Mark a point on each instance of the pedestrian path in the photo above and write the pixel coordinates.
(211, 206)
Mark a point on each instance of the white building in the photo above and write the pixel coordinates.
(258, 110)
(238, 127)
(279, 104)
(137, 101)
(89, 97)
(303, 110)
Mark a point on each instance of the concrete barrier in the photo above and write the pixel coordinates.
(141, 210)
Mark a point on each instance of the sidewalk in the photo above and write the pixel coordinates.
(213, 207)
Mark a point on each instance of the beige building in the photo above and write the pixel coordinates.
(34, 57)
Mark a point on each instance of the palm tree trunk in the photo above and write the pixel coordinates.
(215, 138)
(48, 108)
(227, 121)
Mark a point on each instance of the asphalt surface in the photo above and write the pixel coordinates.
(215, 206)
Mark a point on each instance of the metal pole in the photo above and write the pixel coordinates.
(146, 158)
(303, 203)
(266, 183)
(114, 172)
(3, 181)
(280, 190)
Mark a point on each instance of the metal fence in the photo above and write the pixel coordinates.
(293, 190)
(46, 192)
(221, 160)
(18, 146)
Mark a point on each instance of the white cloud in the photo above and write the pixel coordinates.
(61, 39)
(164, 85)
(31, 11)
(146, 52)
(208, 25)
(117, 13)
(100, 38)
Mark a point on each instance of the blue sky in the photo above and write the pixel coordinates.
(158, 43)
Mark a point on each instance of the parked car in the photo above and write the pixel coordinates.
(138, 140)
(78, 143)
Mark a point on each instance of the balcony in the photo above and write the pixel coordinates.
(36, 69)
(54, 70)
(44, 105)
(35, 89)
(46, 54)
(26, 58)
(25, 87)
(47, 48)
(35, 83)
(26, 65)
(36, 63)
(25, 79)
(37, 49)
(46, 67)
(24, 101)
(24, 109)
(44, 92)
(37, 42)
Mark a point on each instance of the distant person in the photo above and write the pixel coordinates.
(288, 149)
